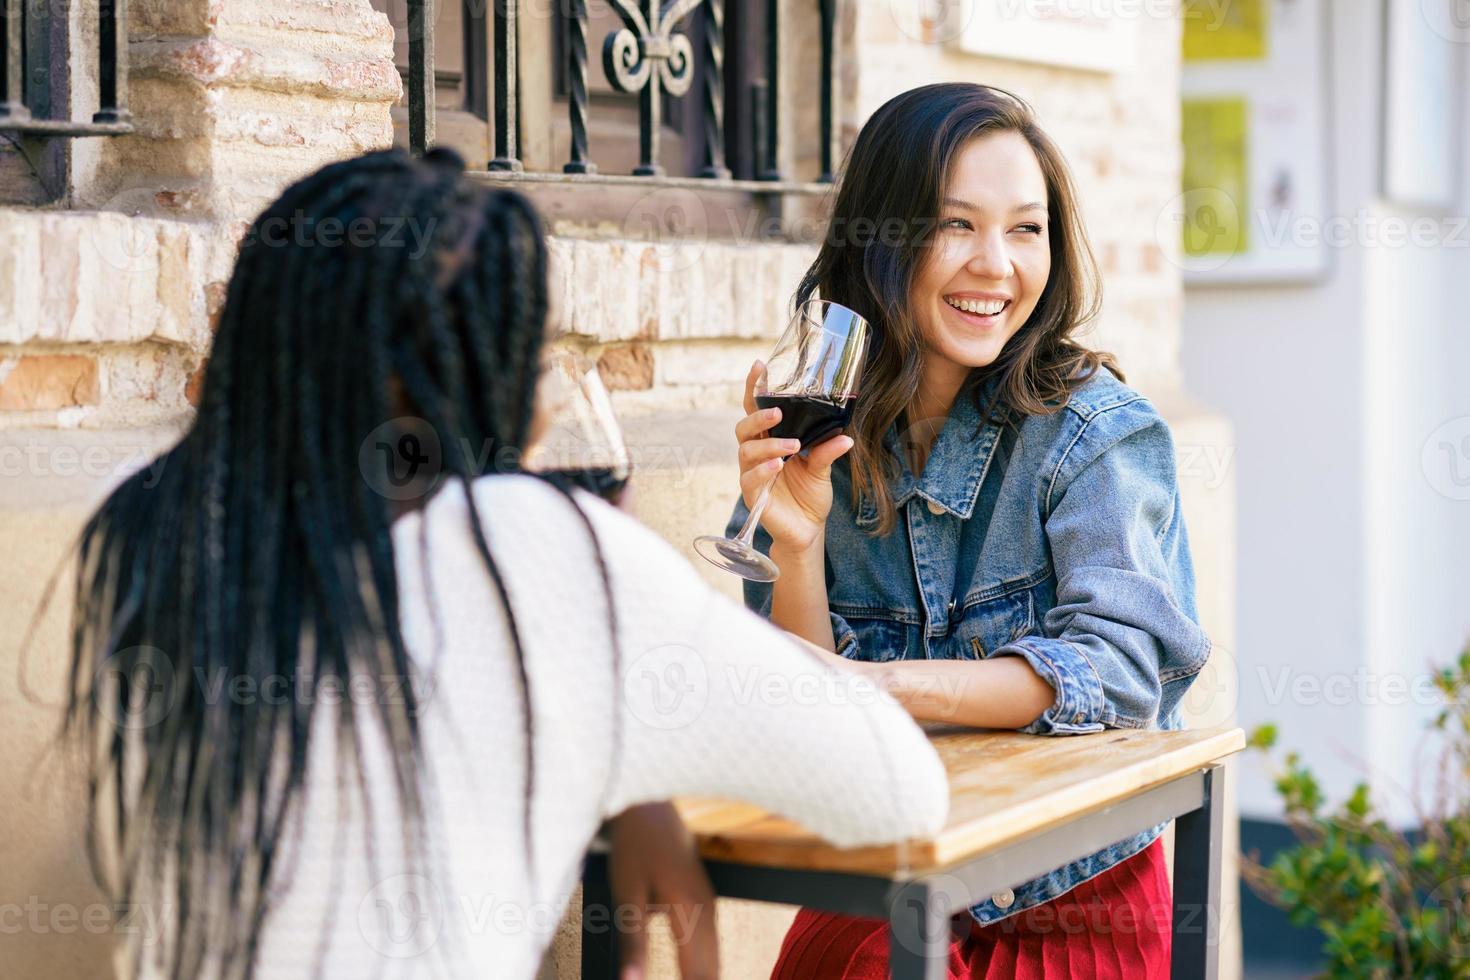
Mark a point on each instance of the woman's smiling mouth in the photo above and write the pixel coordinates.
(976, 310)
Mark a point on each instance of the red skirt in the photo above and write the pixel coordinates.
(1114, 926)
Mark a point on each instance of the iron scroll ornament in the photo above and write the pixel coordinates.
(647, 57)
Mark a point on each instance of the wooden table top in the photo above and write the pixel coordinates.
(1003, 786)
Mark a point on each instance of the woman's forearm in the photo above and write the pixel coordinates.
(799, 596)
(1003, 692)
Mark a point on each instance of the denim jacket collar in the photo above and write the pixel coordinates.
(957, 462)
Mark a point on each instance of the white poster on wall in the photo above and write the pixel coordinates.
(1419, 103)
(1253, 206)
(1068, 33)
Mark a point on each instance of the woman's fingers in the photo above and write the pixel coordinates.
(698, 943)
(752, 378)
(632, 937)
(824, 454)
(752, 425)
(753, 452)
(753, 479)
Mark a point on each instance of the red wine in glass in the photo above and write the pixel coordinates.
(807, 418)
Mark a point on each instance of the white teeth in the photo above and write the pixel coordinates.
(987, 307)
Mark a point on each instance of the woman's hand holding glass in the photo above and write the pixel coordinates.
(807, 391)
(802, 496)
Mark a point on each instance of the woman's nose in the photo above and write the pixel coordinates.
(989, 260)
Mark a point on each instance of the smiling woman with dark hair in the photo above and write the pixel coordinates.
(1000, 521)
(383, 720)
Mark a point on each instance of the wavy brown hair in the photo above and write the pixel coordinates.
(883, 221)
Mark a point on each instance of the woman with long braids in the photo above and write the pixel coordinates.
(350, 720)
(998, 535)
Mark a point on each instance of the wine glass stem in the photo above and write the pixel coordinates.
(747, 533)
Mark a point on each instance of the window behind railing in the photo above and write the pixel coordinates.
(694, 78)
(28, 99)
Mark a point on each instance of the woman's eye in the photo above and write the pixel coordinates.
(1032, 229)
(955, 223)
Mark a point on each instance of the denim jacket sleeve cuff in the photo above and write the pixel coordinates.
(844, 637)
(1079, 704)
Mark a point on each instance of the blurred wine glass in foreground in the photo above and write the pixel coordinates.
(581, 444)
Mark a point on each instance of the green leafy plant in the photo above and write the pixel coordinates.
(1387, 904)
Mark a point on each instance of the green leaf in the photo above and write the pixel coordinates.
(1262, 737)
(1358, 803)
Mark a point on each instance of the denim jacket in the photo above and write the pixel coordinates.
(1055, 537)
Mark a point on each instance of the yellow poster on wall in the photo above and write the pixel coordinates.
(1216, 176)
(1225, 30)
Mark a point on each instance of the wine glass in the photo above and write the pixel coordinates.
(580, 443)
(812, 376)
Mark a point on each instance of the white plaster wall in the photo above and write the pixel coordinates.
(1353, 569)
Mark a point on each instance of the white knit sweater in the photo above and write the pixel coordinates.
(713, 702)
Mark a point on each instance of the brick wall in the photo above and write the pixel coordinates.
(125, 271)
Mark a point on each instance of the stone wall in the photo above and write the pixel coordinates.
(117, 282)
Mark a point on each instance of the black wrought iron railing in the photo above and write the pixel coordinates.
(27, 83)
(650, 56)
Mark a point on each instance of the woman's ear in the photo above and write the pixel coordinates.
(398, 401)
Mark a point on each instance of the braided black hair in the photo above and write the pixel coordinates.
(263, 549)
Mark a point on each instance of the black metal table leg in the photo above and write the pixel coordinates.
(918, 935)
(599, 937)
(1198, 837)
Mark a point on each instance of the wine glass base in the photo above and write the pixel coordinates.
(735, 556)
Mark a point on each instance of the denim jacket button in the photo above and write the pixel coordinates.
(1004, 900)
(936, 508)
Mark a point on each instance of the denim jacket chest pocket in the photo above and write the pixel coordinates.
(878, 635)
(987, 625)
